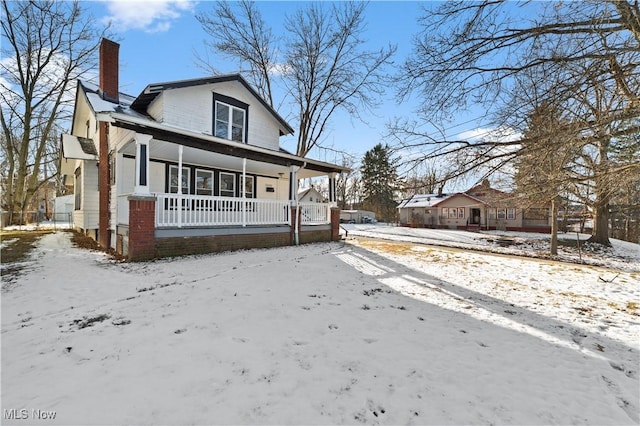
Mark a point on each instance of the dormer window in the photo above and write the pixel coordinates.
(230, 118)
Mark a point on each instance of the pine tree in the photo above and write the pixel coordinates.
(379, 182)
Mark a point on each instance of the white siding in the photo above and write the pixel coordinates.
(261, 189)
(191, 108)
(156, 177)
(90, 206)
(156, 109)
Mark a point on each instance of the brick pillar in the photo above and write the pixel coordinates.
(142, 227)
(335, 224)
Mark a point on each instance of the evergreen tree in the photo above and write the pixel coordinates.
(379, 182)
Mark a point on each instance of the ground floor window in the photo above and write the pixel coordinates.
(173, 179)
(249, 187)
(209, 182)
(227, 184)
(204, 182)
(511, 214)
(501, 214)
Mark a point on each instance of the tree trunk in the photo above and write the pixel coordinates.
(600, 233)
(554, 227)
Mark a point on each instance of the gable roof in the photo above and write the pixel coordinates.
(152, 91)
(463, 194)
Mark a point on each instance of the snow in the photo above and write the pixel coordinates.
(622, 255)
(363, 331)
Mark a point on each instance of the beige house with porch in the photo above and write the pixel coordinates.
(479, 208)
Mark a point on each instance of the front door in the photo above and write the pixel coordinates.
(475, 216)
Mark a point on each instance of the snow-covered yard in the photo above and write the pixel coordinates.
(367, 331)
(572, 248)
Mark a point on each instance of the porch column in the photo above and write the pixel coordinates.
(293, 198)
(244, 189)
(180, 203)
(142, 164)
(332, 188)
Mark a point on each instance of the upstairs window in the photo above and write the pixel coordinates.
(229, 118)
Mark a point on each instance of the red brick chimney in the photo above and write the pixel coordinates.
(109, 70)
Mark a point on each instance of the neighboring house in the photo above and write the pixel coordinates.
(310, 195)
(186, 167)
(419, 210)
(481, 207)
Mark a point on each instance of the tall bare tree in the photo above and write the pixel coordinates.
(473, 53)
(240, 33)
(321, 60)
(46, 44)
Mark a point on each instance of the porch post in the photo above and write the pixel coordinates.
(293, 198)
(142, 164)
(332, 188)
(180, 204)
(243, 188)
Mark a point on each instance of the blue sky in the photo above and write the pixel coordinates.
(158, 40)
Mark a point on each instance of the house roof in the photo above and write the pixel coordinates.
(78, 148)
(123, 115)
(304, 191)
(150, 92)
(463, 194)
(423, 200)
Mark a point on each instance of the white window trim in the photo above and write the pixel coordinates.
(253, 186)
(188, 176)
(211, 174)
(230, 121)
(227, 190)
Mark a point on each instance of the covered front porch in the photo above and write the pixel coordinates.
(216, 189)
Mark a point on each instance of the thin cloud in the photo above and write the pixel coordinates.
(151, 16)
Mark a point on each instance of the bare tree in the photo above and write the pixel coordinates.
(322, 60)
(474, 52)
(49, 43)
(241, 34)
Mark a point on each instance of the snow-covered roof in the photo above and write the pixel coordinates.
(92, 92)
(423, 200)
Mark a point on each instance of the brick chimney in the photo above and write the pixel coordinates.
(109, 70)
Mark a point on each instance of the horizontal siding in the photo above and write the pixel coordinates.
(90, 194)
(192, 108)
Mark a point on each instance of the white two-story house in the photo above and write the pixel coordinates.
(187, 166)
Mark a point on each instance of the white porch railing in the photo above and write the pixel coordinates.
(173, 210)
(315, 213)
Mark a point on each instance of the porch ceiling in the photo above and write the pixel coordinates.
(167, 151)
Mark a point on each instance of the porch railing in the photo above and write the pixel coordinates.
(314, 213)
(173, 210)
